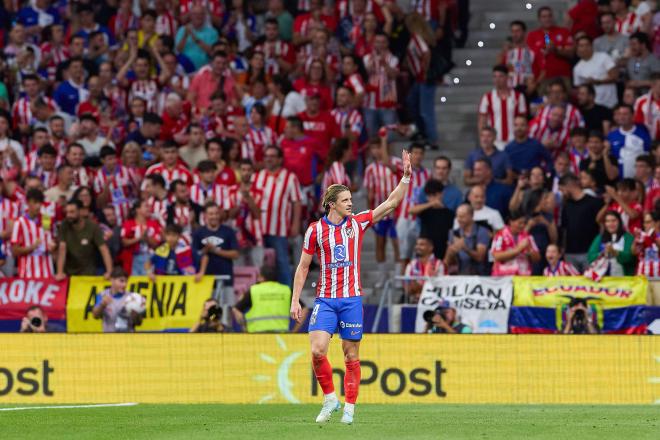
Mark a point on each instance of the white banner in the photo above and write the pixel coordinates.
(483, 303)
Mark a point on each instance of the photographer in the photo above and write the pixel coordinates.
(444, 320)
(36, 321)
(579, 319)
(210, 319)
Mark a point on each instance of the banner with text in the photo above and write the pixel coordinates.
(173, 302)
(542, 304)
(18, 294)
(482, 303)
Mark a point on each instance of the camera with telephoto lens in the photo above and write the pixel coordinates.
(429, 314)
(215, 312)
(35, 322)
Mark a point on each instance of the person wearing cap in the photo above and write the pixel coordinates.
(445, 320)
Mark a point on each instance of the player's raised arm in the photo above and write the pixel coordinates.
(396, 196)
(298, 283)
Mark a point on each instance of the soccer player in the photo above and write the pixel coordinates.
(336, 239)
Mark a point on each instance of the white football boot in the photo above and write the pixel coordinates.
(329, 406)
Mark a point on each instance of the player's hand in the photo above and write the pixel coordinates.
(296, 312)
(407, 167)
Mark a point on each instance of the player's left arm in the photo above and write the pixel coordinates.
(396, 196)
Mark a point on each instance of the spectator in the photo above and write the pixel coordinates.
(499, 107)
(647, 108)
(265, 307)
(583, 18)
(444, 319)
(182, 210)
(380, 178)
(113, 184)
(436, 220)
(468, 244)
(90, 137)
(139, 234)
(552, 46)
(80, 243)
(284, 19)
(644, 169)
(611, 42)
(597, 69)
(64, 188)
(596, 116)
(382, 68)
(246, 199)
(483, 215)
(627, 141)
(171, 167)
(519, 58)
(349, 119)
(148, 131)
(624, 201)
(577, 230)
(36, 321)
(556, 266)
(578, 148)
(195, 39)
(280, 209)
(110, 304)
(627, 22)
(335, 167)
(31, 242)
(72, 92)
(528, 183)
(210, 320)
(646, 247)
(497, 194)
(319, 125)
(552, 132)
(614, 244)
(600, 161)
(499, 161)
(207, 81)
(525, 152)
(557, 96)
(514, 249)
(424, 265)
(641, 63)
(173, 257)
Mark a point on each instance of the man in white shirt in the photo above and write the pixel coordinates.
(598, 69)
(483, 214)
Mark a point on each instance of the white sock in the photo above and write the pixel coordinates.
(349, 407)
(330, 396)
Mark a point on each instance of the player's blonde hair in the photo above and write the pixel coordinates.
(331, 195)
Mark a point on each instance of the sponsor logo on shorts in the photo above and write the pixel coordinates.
(343, 324)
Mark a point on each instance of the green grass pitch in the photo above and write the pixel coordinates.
(283, 422)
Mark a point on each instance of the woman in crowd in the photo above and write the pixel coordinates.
(613, 247)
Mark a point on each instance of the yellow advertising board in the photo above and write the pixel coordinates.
(173, 302)
(552, 291)
(192, 368)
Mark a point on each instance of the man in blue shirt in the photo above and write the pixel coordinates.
(72, 92)
(451, 195)
(628, 140)
(498, 194)
(40, 14)
(215, 245)
(196, 39)
(524, 152)
(500, 164)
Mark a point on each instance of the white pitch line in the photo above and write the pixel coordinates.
(101, 405)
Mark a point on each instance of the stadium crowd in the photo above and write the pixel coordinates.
(179, 137)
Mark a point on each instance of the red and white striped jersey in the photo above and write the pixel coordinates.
(281, 190)
(179, 172)
(273, 50)
(251, 151)
(576, 158)
(417, 181)
(348, 121)
(147, 90)
(355, 83)
(261, 138)
(429, 9)
(504, 240)
(10, 210)
(648, 262)
(432, 268)
(562, 269)
(572, 119)
(158, 208)
(381, 89)
(184, 216)
(344, 8)
(57, 55)
(304, 5)
(219, 194)
(21, 112)
(631, 225)
(37, 264)
(542, 132)
(380, 180)
(520, 61)
(647, 112)
(338, 250)
(336, 173)
(307, 55)
(415, 51)
(214, 7)
(248, 228)
(120, 185)
(501, 111)
(628, 25)
(166, 24)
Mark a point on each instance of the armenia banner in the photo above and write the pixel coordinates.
(174, 303)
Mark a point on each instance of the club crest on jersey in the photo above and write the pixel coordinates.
(339, 252)
(349, 232)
